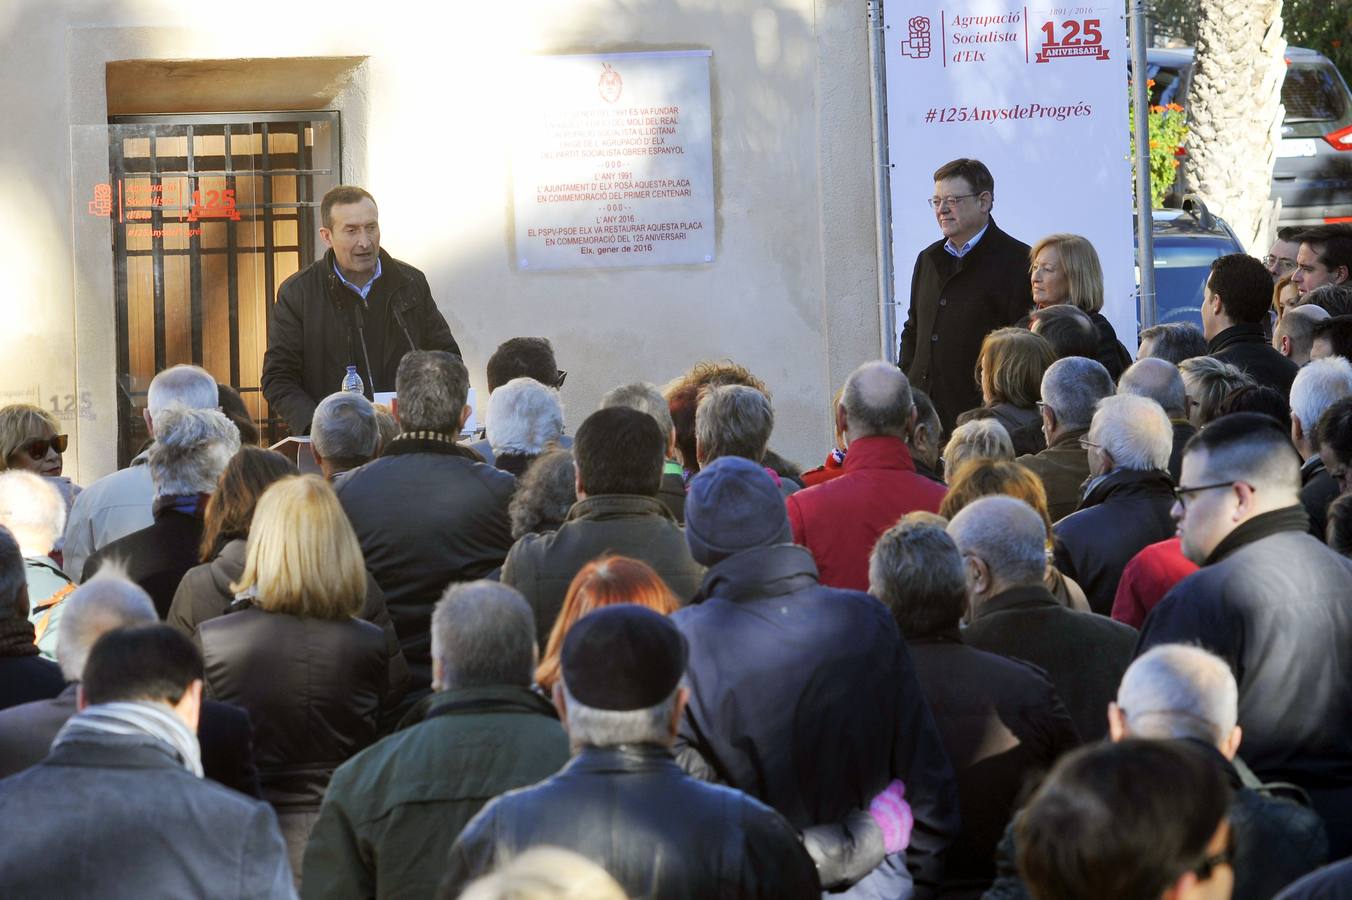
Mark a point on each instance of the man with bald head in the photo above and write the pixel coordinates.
(839, 521)
(1003, 543)
(1294, 335)
(1272, 601)
(1159, 380)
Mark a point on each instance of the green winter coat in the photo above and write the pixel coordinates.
(393, 811)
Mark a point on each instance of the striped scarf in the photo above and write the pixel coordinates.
(151, 719)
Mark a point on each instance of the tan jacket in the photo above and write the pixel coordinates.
(1063, 468)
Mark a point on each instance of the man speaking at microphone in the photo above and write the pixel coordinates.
(355, 306)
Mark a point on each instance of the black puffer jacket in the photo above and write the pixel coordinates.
(312, 338)
(204, 593)
(314, 689)
(656, 830)
(1121, 514)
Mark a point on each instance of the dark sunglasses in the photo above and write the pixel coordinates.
(558, 383)
(38, 447)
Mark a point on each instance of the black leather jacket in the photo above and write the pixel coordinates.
(313, 687)
(656, 830)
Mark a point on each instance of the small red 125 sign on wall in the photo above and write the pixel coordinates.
(219, 205)
(1079, 37)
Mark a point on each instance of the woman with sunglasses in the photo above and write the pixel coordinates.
(30, 442)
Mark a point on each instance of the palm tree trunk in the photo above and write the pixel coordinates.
(1235, 111)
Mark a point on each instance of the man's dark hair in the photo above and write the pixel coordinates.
(1257, 398)
(917, 571)
(973, 170)
(1337, 330)
(340, 195)
(1332, 244)
(1248, 446)
(232, 404)
(619, 451)
(1334, 430)
(145, 662)
(13, 578)
(1289, 233)
(432, 386)
(523, 357)
(1175, 341)
(925, 413)
(1245, 297)
(1068, 329)
(1120, 821)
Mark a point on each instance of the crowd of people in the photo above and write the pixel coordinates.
(1046, 622)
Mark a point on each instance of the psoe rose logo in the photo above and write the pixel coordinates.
(610, 85)
(918, 44)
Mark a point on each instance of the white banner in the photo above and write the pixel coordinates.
(613, 161)
(1037, 93)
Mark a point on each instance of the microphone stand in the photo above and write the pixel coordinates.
(399, 317)
(359, 320)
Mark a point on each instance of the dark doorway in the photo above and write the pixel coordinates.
(211, 213)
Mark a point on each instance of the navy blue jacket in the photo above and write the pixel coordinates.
(1121, 514)
(805, 697)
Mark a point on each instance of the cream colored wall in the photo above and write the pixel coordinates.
(792, 295)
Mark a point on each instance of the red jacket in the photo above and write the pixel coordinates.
(840, 520)
(1147, 578)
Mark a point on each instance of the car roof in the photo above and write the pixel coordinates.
(1181, 223)
(1182, 56)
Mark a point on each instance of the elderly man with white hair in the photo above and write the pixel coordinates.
(1003, 544)
(101, 604)
(120, 503)
(344, 434)
(524, 419)
(1161, 381)
(192, 447)
(34, 511)
(1179, 692)
(1318, 385)
(1126, 505)
(1071, 390)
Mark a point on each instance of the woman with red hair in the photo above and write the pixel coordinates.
(605, 581)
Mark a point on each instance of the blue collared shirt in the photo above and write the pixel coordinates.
(366, 290)
(959, 252)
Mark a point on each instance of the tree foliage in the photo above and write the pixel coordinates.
(1323, 25)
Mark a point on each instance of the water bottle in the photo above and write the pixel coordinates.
(352, 381)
